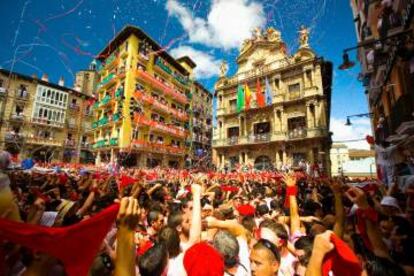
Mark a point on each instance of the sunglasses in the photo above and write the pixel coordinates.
(271, 247)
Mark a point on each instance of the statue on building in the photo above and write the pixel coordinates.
(303, 37)
(257, 34)
(223, 69)
(245, 45)
(273, 35)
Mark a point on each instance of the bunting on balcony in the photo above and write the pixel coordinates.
(259, 95)
(240, 99)
(247, 95)
(268, 92)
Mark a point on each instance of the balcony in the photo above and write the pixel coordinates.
(101, 122)
(141, 96)
(22, 94)
(11, 137)
(291, 96)
(113, 141)
(116, 117)
(46, 122)
(107, 81)
(74, 107)
(233, 140)
(3, 91)
(297, 133)
(157, 147)
(258, 138)
(85, 146)
(111, 61)
(69, 143)
(119, 93)
(37, 140)
(162, 86)
(71, 124)
(105, 100)
(20, 118)
(101, 143)
(401, 112)
(161, 127)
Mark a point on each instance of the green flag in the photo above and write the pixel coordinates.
(240, 99)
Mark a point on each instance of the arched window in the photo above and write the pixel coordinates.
(40, 113)
(262, 163)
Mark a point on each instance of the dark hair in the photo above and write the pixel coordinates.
(154, 261)
(262, 209)
(275, 204)
(152, 216)
(304, 243)
(378, 266)
(175, 219)
(171, 238)
(277, 228)
(249, 223)
(265, 244)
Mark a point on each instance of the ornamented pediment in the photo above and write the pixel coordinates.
(269, 38)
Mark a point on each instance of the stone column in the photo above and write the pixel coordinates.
(98, 158)
(309, 117)
(222, 161)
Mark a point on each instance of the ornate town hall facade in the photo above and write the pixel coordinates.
(275, 110)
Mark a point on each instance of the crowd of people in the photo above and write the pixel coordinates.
(74, 220)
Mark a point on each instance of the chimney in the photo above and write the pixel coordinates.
(45, 77)
(34, 76)
(61, 81)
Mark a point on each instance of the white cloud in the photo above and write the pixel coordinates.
(228, 22)
(359, 129)
(207, 66)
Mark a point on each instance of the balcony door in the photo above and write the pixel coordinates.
(261, 131)
(297, 127)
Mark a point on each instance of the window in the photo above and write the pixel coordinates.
(135, 134)
(309, 76)
(262, 128)
(126, 46)
(293, 88)
(233, 105)
(277, 83)
(233, 132)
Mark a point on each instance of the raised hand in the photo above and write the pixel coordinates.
(322, 244)
(290, 180)
(357, 196)
(128, 214)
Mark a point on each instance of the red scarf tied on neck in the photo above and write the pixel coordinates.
(76, 245)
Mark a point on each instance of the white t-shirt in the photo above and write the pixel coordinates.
(176, 266)
(286, 265)
(244, 266)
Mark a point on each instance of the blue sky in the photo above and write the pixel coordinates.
(60, 37)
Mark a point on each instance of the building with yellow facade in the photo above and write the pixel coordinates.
(143, 110)
(275, 110)
(44, 120)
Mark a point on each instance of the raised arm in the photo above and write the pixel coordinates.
(125, 251)
(338, 229)
(321, 246)
(369, 215)
(195, 228)
(232, 226)
(291, 191)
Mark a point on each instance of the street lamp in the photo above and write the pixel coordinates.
(348, 120)
(347, 63)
